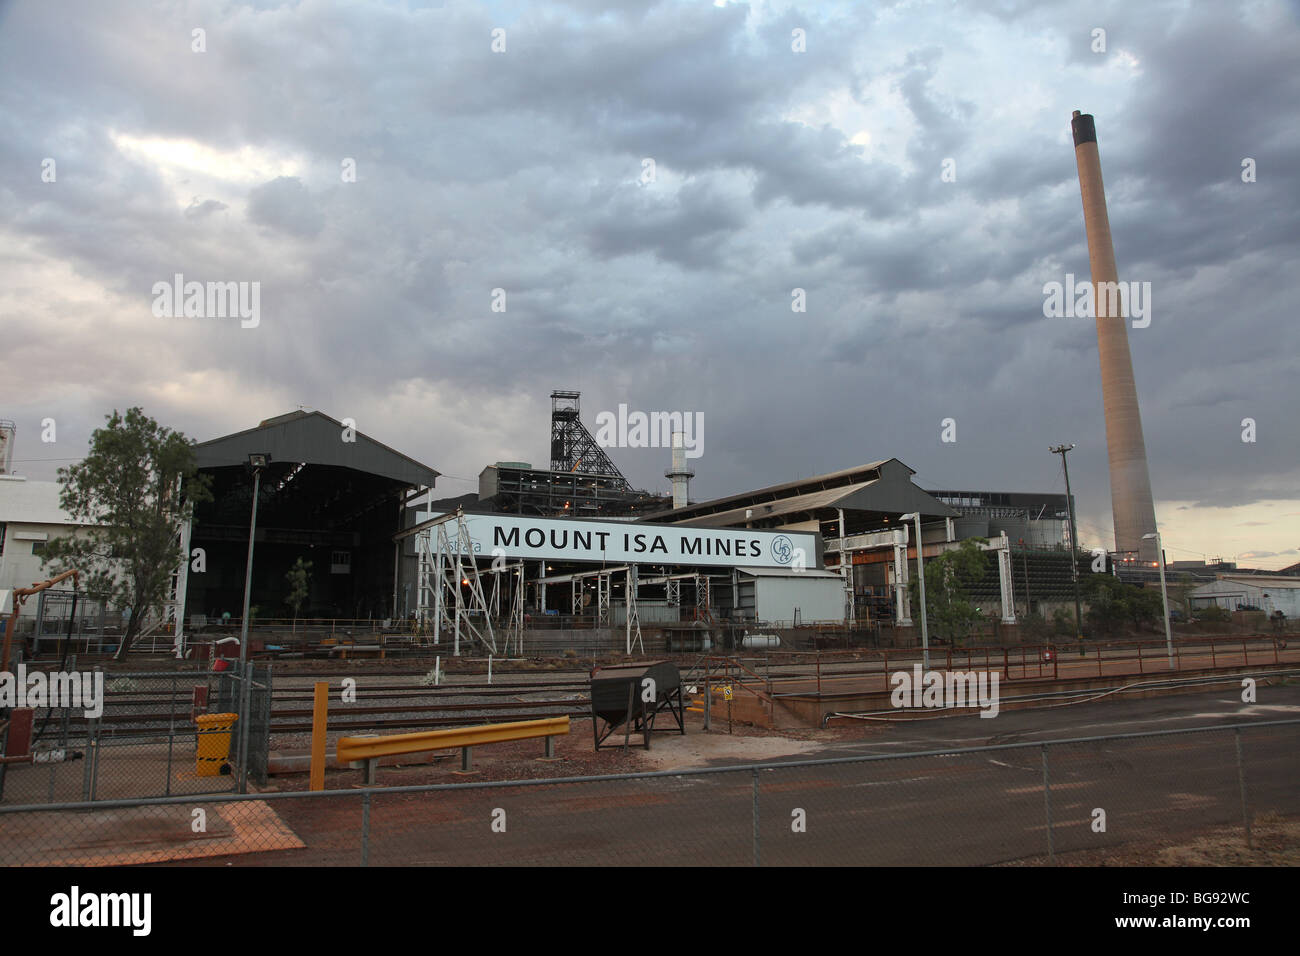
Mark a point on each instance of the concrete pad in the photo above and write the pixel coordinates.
(699, 749)
(135, 835)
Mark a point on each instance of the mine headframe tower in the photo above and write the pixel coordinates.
(572, 447)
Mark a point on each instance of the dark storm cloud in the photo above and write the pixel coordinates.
(285, 204)
(684, 230)
(776, 170)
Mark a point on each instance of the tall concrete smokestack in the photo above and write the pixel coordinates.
(679, 473)
(1130, 483)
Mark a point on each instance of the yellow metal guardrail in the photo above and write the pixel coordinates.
(371, 749)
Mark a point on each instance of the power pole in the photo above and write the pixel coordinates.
(1074, 538)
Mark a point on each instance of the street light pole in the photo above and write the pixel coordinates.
(1074, 542)
(257, 463)
(920, 575)
(248, 570)
(1164, 597)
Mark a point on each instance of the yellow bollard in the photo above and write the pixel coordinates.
(319, 721)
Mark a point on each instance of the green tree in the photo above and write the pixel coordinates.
(297, 581)
(1180, 591)
(948, 577)
(131, 493)
(1063, 623)
(1213, 614)
(1113, 604)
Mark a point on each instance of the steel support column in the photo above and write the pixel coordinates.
(903, 611)
(1005, 581)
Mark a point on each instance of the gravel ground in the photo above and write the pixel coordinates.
(1276, 843)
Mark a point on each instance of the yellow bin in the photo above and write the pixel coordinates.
(214, 743)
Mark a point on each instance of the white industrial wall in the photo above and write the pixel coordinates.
(1227, 594)
(19, 567)
(1286, 600)
(818, 598)
(647, 612)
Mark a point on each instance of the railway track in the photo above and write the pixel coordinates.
(142, 711)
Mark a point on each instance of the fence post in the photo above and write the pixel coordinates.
(241, 725)
(171, 734)
(94, 757)
(757, 857)
(89, 762)
(708, 698)
(365, 828)
(1241, 783)
(1047, 807)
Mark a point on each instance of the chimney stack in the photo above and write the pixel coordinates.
(1130, 483)
(679, 473)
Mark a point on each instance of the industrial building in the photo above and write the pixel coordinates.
(582, 481)
(857, 513)
(1031, 521)
(326, 493)
(1250, 592)
(575, 545)
(30, 518)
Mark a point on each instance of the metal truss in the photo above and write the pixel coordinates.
(440, 599)
(510, 578)
(604, 584)
(633, 616)
(573, 449)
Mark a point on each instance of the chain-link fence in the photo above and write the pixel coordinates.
(1026, 802)
(159, 734)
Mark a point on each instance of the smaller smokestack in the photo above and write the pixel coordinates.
(679, 473)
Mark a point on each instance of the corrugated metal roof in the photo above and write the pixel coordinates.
(314, 438)
(773, 492)
(1261, 581)
(829, 498)
(885, 486)
(1237, 583)
(789, 573)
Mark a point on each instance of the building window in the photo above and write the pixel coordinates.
(38, 547)
(341, 562)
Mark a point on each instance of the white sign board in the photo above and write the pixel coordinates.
(621, 542)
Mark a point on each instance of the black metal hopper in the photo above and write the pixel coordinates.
(631, 696)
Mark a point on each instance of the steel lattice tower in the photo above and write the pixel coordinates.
(572, 447)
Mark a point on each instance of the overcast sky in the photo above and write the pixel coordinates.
(774, 169)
